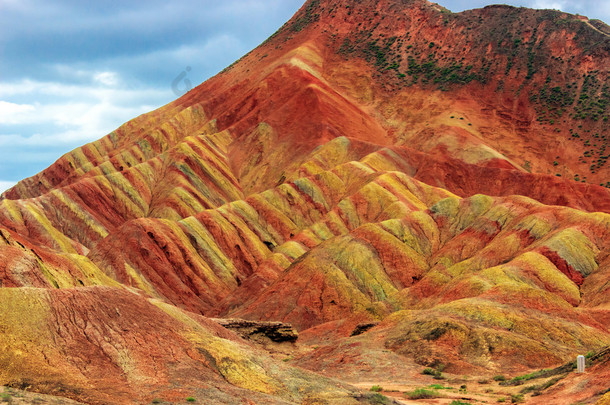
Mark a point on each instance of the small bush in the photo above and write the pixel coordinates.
(436, 374)
(190, 399)
(376, 388)
(502, 399)
(458, 402)
(516, 398)
(499, 378)
(422, 393)
(157, 401)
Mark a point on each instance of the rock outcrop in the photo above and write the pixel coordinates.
(257, 330)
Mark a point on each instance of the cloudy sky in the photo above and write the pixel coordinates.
(72, 70)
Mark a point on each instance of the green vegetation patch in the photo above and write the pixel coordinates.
(422, 393)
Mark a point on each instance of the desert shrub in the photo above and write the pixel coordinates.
(436, 374)
(422, 393)
(516, 398)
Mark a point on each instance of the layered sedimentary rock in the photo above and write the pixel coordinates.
(433, 175)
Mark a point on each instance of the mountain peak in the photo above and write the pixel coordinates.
(435, 181)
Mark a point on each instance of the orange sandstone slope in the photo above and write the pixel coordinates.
(382, 161)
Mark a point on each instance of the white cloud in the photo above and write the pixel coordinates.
(5, 185)
(549, 4)
(11, 113)
(72, 113)
(106, 78)
(63, 117)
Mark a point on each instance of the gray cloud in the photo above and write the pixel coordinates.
(72, 71)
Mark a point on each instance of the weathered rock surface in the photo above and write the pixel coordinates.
(382, 163)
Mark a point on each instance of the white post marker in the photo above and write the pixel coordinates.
(580, 364)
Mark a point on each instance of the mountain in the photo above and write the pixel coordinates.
(435, 180)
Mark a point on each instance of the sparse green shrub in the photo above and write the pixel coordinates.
(190, 399)
(422, 393)
(537, 389)
(516, 398)
(458, 402)
(439, 387)
(522, 378)
(499, 378)
(435, 373)
(376, 388)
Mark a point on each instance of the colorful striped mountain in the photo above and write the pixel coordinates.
(438, 176)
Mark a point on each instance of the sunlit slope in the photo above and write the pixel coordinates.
(384, 161)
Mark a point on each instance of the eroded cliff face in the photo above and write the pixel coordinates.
(386, 162)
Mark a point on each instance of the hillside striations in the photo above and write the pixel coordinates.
(438, 177)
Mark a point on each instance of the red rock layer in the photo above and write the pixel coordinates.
(372, 161)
